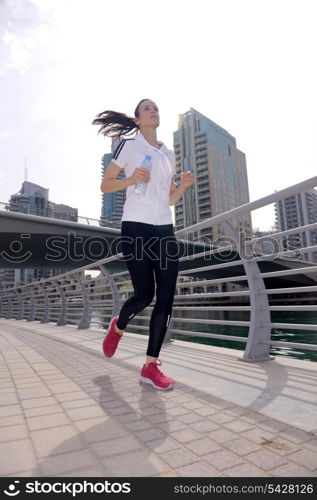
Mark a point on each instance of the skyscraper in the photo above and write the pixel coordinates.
(33, 199)
(112, 203)
(295, 211)
(220, 174)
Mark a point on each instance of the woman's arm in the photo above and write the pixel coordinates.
(176, 193)
(110, 183)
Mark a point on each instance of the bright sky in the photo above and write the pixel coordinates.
(248, 65)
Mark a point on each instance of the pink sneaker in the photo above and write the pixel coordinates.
(112, 339)
(150, 374)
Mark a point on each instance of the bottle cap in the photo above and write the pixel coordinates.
(148, 157)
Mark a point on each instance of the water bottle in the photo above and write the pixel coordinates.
(140, 187)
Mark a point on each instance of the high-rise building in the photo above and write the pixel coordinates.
(64, 212)
(220, 175)
(112, 203)
(33, 199)
(296, 211)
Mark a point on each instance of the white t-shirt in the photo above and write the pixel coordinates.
(153, 207)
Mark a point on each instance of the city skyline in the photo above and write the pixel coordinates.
(241, 65)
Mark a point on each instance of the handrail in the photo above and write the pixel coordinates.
(55, 299)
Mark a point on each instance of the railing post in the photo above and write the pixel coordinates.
(47, 305)
(62, 317)
(258, 347)
(86, 315)
(116, 305)
(32, 309)
(20, 300)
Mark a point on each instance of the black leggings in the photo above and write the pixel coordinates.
(150, 250)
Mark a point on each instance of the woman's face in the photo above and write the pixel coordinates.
(148, 115)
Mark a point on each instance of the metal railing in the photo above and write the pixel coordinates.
(50, 213)
(74, 297)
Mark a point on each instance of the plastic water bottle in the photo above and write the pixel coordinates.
(140, 187)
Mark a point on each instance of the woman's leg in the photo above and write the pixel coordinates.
(141, 271)
(166, 271)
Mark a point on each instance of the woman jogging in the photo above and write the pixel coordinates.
(148, 242)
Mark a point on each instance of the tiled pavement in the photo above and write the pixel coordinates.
(68, 411)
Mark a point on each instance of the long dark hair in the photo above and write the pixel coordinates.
(114, 124)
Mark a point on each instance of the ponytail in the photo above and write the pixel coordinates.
(115, 124)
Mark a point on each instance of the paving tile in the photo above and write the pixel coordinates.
(305, 458)
(150, 434)
(61, 388)
(138, 425)
(121, 410)
(312, 445)
(221, 418)
(205, 426)
(57, 440)
(237, 411)
(78, 403)
(178, 410)
(193, 405)
(253, 417)
(258, 436)
(221, 435)
(37, 402)
(8, 399)
(185, 435)
(142, 463)
(163, 445)
(128, 417)
(245, 470)
(272, 426)
(100, 429)
(151, 410)
(241, 446)
(190, 418)
(202, 446)
(116, 446)
(34, 393)
(59, 464)
(43, 410)
(84, 412)
(295, 435)
(206, 411)
(238, 426)
(265, 459)
(7, 390)
(11, 420)
(160, 418)
(11, 410)
(223, 459)
(13, 432)
(292, 470)
(197, 470)
(96, 471)
(179, 458)
(47, 421)
(16, 456)
(71, 396)
(173, 425)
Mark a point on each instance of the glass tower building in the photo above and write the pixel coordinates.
(112, 203)
(220, 175)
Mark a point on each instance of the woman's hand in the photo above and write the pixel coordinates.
(140, 175)
(187, 179)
